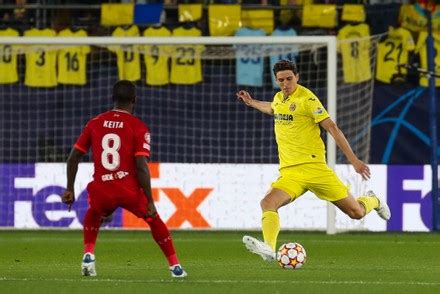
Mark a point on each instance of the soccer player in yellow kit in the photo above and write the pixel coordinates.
(298, 114)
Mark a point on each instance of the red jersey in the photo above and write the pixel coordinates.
(115, 137)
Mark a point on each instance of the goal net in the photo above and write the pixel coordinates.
(186, 94)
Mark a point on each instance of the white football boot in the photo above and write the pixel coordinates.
(88, 265)
(383, 210)
(260, 248)
(177, 271)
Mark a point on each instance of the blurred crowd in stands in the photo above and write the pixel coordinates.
(60, 14)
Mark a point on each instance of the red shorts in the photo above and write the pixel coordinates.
(106, 197)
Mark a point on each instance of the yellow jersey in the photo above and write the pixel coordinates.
(72, 60)
(413, 17)
(157, 58)
(391, 52)
(129, 66)
(8, 58)
(354, 44)
(297, 132)
(186, 64)
(40, 61)
(421, 50)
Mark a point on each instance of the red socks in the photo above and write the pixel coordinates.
(159, 230)
(92, 222)
(163, 238)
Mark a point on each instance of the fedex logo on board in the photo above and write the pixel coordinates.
(30, 197)
(409, 198)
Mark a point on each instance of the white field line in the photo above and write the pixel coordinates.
(278, 282)
(108, 239)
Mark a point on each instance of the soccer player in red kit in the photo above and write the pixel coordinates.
(120, 144)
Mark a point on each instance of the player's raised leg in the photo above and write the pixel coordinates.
(382, 209)
(92, 222)
(358, 208)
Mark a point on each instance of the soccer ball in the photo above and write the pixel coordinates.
(291, 255)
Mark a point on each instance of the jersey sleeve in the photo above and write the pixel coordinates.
(272, 104)
(142, 140)
(84, 140)
(317, 111)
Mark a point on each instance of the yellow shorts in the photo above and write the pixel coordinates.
(315, 177)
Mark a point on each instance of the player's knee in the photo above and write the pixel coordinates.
(267, 204)
(356, 213)
(263, 204)
(151, 219)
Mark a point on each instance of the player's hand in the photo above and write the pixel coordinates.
(245, 97)
(68, 198)
(361, 168)
(151, 211)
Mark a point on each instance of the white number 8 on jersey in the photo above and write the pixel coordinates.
(110, 158)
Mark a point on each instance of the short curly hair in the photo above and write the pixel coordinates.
(285, 65)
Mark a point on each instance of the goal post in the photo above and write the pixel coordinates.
(320, 70)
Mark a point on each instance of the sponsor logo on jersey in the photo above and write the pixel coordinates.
(283, 117)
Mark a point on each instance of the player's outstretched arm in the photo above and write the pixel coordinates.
(360, 167)
(72, 168)
(247, 99)
(144, 178)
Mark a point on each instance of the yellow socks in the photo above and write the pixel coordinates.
(271, 227)
(368, 202)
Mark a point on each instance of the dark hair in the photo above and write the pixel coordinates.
(124, 92)
(285, 65)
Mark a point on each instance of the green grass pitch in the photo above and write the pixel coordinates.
(217, 262)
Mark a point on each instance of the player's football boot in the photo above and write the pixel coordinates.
(88, 265)
(259, 247)
(383, 210)
(177, 271)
